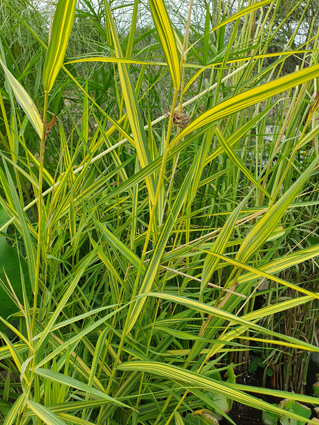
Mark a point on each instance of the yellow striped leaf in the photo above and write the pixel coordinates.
(72, 285)
(114, 241)
(220, 245)
(240, 133)
(262, 274)
(260, 232)
(115, 60)
(237, 162)
(249, 98)
(150, 275)
(73, 419)
(178, 419)
(283, 263)
(257, 315)
(25, 101)
(243, 13)
(167, 38)
(24, 223)
(194, 379)
(42, 412)
(214, 311)
(61, 30)
(12, 414)
(236, 16)
(78, 336)
(132, 107)
(71, 382)
(5, 352)
(276, 308)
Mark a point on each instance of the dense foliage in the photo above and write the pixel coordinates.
(159, 171)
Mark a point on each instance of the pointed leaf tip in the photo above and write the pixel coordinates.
(61, 30)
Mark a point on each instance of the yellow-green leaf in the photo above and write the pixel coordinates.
(237, 15)
(249, 98)
(178, 419)
(220, 245)
(61, 30)
(205, 308)
(260, 232)
(243, 12)
(114, 60)
(67, 380)
(237, 162)
(12, 414)
(195, 379)
(45, 414)
(283, 263)
(262, 274)
(132, 106)
(24, 101)
(167, 38)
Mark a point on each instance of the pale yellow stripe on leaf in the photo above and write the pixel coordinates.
(25, 101)
(61, 30)
(167, 39)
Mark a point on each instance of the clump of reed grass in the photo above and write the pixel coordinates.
(147, 233)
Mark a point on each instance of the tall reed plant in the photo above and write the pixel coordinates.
(143, 202)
